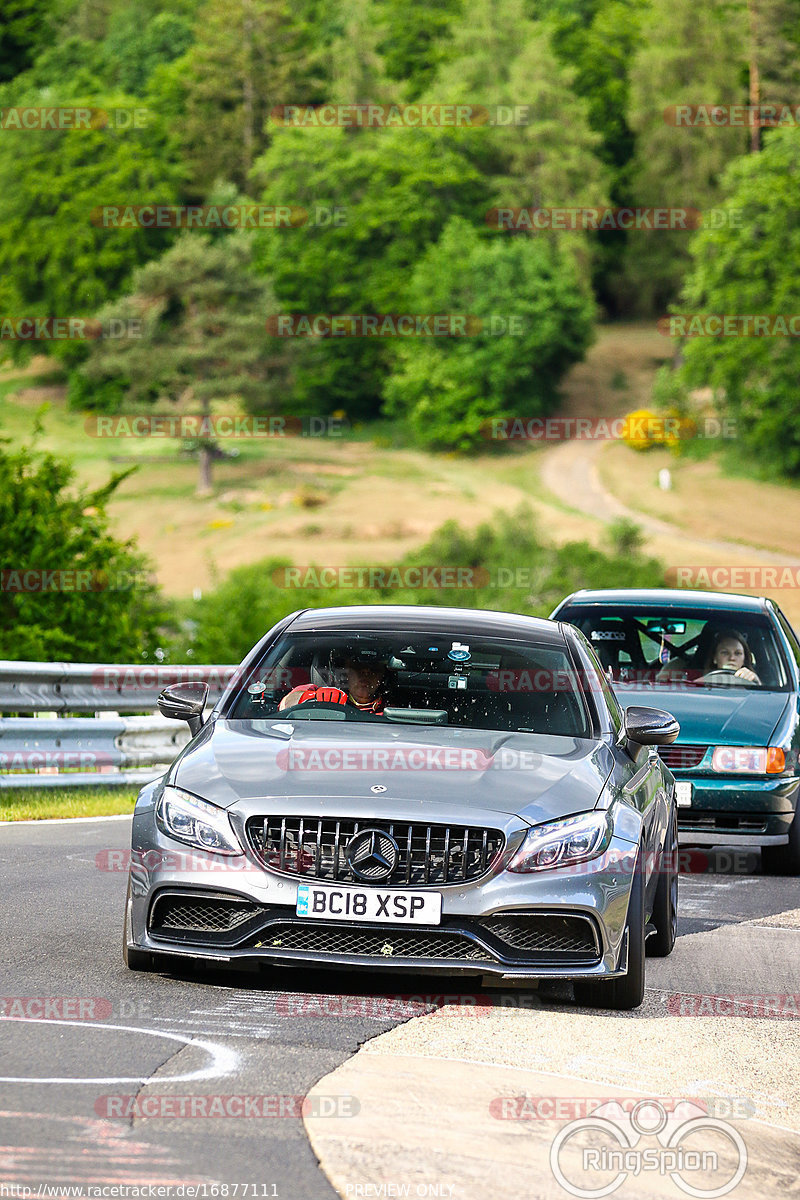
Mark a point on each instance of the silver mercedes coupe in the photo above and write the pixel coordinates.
(412, 789)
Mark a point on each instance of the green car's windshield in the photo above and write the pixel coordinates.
(692, 646)
(418, 678)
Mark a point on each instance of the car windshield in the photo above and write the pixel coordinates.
(691, 646)
(421, 679)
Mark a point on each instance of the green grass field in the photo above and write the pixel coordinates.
(26, 804)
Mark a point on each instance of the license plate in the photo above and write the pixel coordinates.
(368, 904)
(683, 794)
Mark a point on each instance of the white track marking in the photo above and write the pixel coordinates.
(224, 1060)
(65, 820)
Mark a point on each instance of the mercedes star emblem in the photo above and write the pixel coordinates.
(372, 855)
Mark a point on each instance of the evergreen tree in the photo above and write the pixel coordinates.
(689, 55)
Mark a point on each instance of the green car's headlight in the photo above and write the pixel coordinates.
(189, 819)
(562, 843)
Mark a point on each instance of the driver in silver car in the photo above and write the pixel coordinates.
(365, 684)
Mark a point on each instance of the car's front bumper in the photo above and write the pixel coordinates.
(592, 896)
(737, 810)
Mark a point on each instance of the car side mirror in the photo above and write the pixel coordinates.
(184, 702)
(649, 727)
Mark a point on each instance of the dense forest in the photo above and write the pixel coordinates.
(214, 105)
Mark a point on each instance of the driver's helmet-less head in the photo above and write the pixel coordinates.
(722, 635)
(360, 657)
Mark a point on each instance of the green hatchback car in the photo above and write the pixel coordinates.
(728, 668)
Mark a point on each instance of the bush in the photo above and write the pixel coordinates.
(111, 613)
(508, 568)
(532, 322)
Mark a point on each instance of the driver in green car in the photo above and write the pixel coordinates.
(730, 652)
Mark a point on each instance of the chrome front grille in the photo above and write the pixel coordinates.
(428, 855)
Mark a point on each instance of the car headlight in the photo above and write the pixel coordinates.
(748, 760)
(189, 819)
(562, 843)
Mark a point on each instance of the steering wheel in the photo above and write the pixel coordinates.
(728, 677)
(309, 707)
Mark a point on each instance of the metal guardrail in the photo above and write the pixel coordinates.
(106, 749)
(98, 687)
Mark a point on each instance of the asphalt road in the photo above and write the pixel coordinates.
(219, 1034)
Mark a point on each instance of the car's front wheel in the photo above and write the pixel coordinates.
(627, 991)
(784, 860)
(665, 905)
(135, 960)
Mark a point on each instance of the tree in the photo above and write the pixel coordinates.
(417, 38)
(536, 322)
(27, 26)
(203, 314)
(688, 55)
(597, 41)
(749, 266)
(137, 44)
(110, 612)
(395, 189)
(499, 57)
(773, 52)
(57, 260)
(248, 57)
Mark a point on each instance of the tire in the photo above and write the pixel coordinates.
(784, 860)
(665, 904)
(627, 991)
(135, 960)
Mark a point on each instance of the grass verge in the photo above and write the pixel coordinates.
(26, 804)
